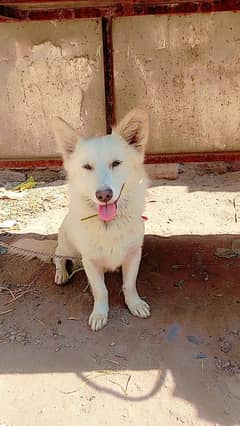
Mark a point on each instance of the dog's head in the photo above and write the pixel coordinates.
(101, 168)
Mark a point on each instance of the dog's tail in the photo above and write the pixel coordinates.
(30, 248)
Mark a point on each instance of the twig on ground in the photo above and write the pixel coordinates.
(85, 288)
(235, 210)
(6, 312)
(9, 290)
(18, 297)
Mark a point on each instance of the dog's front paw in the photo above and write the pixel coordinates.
(61, 277)
(139, 308)
(98, 318)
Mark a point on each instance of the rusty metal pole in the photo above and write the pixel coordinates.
(108, 71)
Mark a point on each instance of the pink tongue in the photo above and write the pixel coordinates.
(107, 212)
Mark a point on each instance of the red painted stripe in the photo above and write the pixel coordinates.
(193, 157)
(11, 11)
(196, 157)
(30, 164)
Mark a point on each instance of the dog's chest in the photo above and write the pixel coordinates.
(111, 257)
(110, 246)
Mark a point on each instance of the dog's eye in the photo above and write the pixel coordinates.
(116, 163)
(87, 167)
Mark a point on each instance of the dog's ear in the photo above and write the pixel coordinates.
(134, 128)
(66, 137)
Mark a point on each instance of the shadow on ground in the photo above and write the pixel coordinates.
(193, 334)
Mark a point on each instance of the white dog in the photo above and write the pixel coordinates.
(104, 227)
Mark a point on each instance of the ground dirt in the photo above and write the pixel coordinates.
(181, 366)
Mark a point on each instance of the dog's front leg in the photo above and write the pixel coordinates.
(99, 315)
(135, 304)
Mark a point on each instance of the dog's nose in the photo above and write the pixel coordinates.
(104, 195)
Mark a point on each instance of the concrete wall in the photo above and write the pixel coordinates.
(49, 69)
(184, 69)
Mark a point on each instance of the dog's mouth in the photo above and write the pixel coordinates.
(108, 211)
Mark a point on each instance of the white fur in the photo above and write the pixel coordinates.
(105, 246)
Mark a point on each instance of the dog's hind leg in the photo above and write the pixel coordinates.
(61, 274)
(135, 304)
(63, 254)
